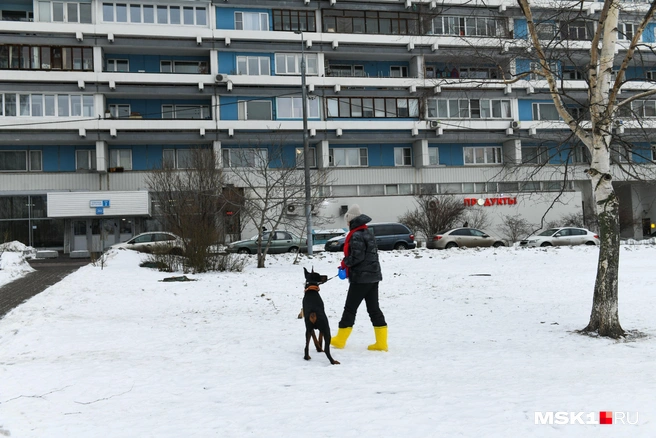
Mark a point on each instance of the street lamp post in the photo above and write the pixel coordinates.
(306, 149)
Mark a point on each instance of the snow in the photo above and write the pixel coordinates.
(13, 261)
(479, 341)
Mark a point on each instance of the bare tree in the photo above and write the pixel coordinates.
(515, 228)
(603, 106)
(274, 187)
(434, 213)
(477, 217)
(189, 201)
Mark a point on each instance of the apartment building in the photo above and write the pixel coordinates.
(405, 98)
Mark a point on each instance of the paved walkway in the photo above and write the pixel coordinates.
(48, 272)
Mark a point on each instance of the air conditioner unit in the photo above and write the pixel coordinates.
(514, 124)
(221, 78)
(292, 209)
(434, 124)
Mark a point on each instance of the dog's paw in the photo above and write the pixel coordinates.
(334, 362)
(307, 358)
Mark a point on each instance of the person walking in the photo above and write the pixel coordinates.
(363, 272)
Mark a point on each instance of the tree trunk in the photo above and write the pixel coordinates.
(604, 318)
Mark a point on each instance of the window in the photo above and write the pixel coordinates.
(355, 107)
(545, 111)
(535, 155)
(397, 71)
(345, 70)
(536, 70)
(39, 105)
(68, 12)
(85, 159)
(177, 158)
(479, 73)
(474, 187)
(312, 153)
(546, 30)
(450, 188)
(433, 156)
(20, 161)
(292, 108)
(469, 108)
(294, 20)
(482, 155)
(403, 156)
(469, 26)
(290, 64)
(348, 157)
(251, 21)
(370, 21)
(253, 65)
(120, 158)
(254, 110)
(576, 30)
(570, 74)
(620, 153)
(137, 13)
(46, 58)
(642, 109)
(247, 157)
(626, 31)
(581, 154)
(195, 112)
(119, 111)
(187, 67)
(118, 65)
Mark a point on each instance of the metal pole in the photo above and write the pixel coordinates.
(306, 151)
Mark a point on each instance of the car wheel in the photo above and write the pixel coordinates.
(451, 245)
(243, 251)
(401, 246)
(498, 244)
(590, 243)
(293, 249)
(545, 244)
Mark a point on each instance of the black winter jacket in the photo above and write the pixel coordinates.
(362, 259)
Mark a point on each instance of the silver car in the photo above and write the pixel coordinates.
(463, 237)
(562, 236)
(154, 241)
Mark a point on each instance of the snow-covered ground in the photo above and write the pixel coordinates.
(479, 341)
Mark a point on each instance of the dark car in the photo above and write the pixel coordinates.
(281, 242)
(389, 235)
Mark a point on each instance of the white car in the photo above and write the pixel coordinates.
(562, 236)
(154, 241)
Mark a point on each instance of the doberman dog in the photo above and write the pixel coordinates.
(315, 315)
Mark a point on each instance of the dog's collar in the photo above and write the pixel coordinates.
(312, 287)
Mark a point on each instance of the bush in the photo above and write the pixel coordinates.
(211, 263)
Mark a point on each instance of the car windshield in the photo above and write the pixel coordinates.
(549, 232)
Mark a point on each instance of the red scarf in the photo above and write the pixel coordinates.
(347, 242)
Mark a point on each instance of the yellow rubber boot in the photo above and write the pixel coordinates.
(381, 339)
(339, 340)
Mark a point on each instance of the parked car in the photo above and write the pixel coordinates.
(154, 241)
(281, 241)
(389, 235)
(562, 236)
(463, 237)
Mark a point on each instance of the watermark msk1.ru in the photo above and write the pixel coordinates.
(602, 417)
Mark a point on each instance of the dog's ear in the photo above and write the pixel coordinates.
(307, 274)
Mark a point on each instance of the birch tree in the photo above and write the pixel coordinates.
(596, 135)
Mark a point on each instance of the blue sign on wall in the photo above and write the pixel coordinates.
(100, 210)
